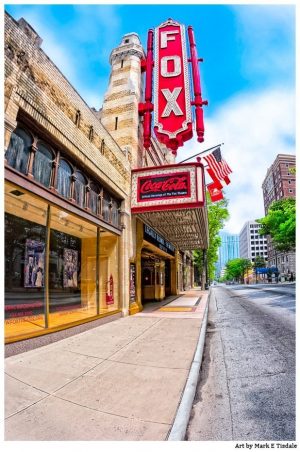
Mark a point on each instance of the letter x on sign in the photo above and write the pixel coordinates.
(172, 105)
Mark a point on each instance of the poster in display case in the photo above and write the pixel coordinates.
(34, 263)
(70, 268)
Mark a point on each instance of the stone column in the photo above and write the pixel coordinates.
(137, 306)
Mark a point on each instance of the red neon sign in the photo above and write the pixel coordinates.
(172, 104)
(163, 186)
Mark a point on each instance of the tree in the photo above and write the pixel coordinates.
(217, 214)
(280, 224)
(259, 262)
(236, 269)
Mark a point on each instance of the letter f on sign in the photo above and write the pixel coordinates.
(172, 105)
(165, 38)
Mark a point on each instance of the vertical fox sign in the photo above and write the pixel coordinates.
(172, 104)
(172, 95)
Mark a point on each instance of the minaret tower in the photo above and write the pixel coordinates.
(119, 114)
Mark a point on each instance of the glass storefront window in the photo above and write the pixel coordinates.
(108, 272)
(25, 239)
(72, 268)
(77, 255)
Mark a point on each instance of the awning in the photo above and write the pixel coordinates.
(171, 199)
(186, 229)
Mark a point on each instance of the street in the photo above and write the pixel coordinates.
(246, 389)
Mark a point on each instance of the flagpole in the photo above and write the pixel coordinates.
(202, 152)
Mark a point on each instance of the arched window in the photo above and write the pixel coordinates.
(18, 150)
(42, 165)
(64, 178)
(80, 188)
(115, 213)
(94, 193)
(106, 209)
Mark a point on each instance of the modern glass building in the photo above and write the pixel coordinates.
(228, 250)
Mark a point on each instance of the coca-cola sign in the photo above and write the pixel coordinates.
(167, 187)
(164, 186)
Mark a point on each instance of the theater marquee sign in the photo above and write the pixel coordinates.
(168, 187)
(173, 75)
(172, 103)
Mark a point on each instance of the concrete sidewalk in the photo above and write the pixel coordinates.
(120, 381)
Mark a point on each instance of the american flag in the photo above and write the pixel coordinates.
(217, 164)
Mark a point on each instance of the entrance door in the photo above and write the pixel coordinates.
(148, 280)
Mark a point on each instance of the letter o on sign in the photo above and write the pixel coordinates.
(164, 66)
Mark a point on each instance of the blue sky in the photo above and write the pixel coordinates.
(248, 75)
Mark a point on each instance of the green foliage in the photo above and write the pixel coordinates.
(236, 269)
(217, 214)
(259, 262)
(280, 224)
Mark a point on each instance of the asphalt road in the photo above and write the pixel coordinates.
(246, 389)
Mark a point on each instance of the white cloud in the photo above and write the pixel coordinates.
(254, 127)
(267, 30)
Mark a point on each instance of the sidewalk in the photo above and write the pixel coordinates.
(120, 381)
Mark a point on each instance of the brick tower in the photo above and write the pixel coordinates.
(119, 114)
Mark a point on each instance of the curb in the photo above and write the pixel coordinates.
(179, 427)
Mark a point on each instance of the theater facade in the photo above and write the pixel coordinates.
(75, 250)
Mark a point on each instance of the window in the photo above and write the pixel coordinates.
(290, 190)
(91, 133)
(72, 268)
(115, 213)
(42, 165)
(102, 147)
(94, 194)
(77, 118)
(116, 123)
(64, 178)
(106, 207)
(79, 190)
(25, 238)
(17, 154)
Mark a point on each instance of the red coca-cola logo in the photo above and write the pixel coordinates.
(164, 186)
(169, 184)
